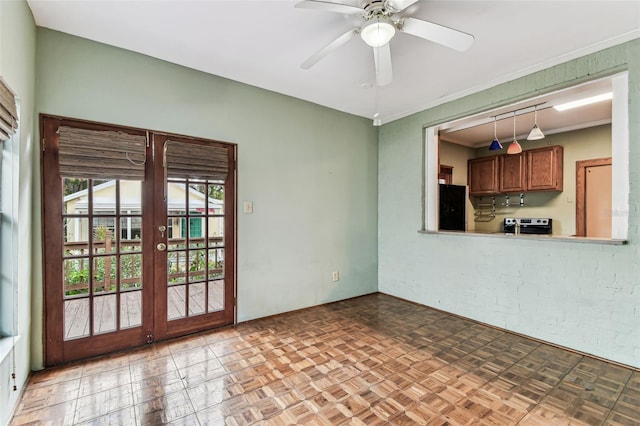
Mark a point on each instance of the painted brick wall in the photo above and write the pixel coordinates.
(583, 296)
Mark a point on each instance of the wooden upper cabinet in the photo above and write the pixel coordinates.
(538, 169)
(482, 175)
(544, 169)
(513, 173)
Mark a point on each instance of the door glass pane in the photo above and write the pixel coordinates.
(176, 267)
(105, 274)
(197, 199)
(175, 237)
(105, 237)
(75, 276)
(216, 295)
(215, 210)
(176, 307)
(130, 309)
(76, 318)
(197, 263)
(104, 197)
(130, 197)
(130, 271)
(197, 299)
(74, 230)
(196, 232)
(216, 264)
(131, 233)
(75, 196)
(216, 231)
(216, 198)
(104, 314)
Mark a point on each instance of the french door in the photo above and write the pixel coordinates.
(139, 237)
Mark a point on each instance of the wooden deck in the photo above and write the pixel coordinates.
(76, 312)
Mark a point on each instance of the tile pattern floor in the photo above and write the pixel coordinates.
(365, 361)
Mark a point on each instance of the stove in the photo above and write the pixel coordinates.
(540, 226)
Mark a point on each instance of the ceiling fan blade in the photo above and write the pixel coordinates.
(329, 7)
(437, 33)
(335, 44)
(400, 5)
(382, 59)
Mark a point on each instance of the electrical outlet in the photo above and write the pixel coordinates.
(335, 276)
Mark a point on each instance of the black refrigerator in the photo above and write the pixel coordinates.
(453, 200)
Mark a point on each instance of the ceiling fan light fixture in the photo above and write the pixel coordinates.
(378, 32)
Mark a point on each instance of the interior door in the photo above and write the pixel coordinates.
(598, 201)
(109, 205)
(593, 198)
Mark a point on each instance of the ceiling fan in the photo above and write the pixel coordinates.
(382, 19)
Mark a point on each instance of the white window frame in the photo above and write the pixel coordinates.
(9, 157)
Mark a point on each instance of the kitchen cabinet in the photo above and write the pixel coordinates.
(544, 169)
(512, 173)
(482, 175)
(539, 169)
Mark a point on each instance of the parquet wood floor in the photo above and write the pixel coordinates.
(365, 361)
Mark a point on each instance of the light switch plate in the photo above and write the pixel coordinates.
(248, 207)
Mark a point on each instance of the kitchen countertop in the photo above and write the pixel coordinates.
(538, 237)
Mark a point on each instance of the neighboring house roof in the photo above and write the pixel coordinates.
(197, 199)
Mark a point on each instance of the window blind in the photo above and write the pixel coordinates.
(8, 112)
(94, 154)
(196, 161)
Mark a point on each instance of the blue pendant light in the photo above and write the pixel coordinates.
(495, 143)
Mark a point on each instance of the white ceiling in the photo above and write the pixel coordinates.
(263, 43)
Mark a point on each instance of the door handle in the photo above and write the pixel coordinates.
(162, 228)
(161, 246)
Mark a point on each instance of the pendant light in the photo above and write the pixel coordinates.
(515, 147)
(535, 133)
(495, 143)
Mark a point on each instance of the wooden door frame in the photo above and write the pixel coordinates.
(53, 342)
(581, 190)
(446, 173)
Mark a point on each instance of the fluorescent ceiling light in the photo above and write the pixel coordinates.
(585, 101)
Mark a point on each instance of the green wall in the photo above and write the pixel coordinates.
(310, 171)
(17, 67)
(583, 296)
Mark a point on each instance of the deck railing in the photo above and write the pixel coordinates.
(80, 251)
